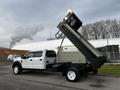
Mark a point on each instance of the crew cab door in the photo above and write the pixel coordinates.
(26, 60)
(34, 60)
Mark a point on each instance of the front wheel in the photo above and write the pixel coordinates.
(17, 69)
(72, 74)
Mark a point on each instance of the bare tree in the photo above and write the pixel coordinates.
(102, 29)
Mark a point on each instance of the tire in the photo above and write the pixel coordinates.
(72, 74)
(95, 72)
(17, 69)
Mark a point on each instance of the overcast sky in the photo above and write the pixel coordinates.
(48, 13)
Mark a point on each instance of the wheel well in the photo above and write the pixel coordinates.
(16, 63)
(79, 67)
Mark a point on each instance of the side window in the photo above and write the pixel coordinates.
(38, 54)
(29, 55)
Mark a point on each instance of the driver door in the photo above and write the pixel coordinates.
(27, 61)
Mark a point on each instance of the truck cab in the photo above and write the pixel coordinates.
(34, 60)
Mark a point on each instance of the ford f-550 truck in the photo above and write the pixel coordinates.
(48, 60)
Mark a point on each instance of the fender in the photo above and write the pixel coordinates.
(16, 63)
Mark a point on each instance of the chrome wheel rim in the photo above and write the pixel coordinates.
(16, 70)
(71, 75)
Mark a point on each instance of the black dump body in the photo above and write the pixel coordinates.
(69, 27)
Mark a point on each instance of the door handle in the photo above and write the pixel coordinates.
(30, 59)
(40, 59)
(47, 61)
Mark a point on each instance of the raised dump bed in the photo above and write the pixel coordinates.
(69, 26)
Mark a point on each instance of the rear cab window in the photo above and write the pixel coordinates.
(50, 53)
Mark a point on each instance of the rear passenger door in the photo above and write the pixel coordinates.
(38, 61)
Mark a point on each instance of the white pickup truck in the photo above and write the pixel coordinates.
(34, 60)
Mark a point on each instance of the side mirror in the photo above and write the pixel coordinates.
(23, 57)
(27, 57)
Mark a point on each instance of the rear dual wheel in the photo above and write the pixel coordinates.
(95, 72)
(72, 74)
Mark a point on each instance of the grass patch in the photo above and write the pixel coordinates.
(4, 62)
(110, 69)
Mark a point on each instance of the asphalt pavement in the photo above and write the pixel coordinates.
(37, 80)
